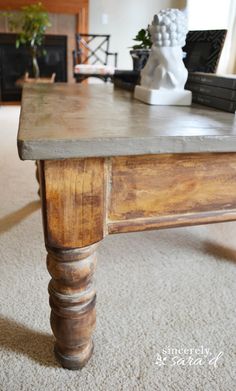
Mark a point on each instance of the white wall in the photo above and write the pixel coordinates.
(124, 19)
(208, 15)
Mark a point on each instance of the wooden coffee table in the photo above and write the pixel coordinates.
(110, 164)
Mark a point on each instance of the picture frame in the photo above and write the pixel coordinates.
(203, 49)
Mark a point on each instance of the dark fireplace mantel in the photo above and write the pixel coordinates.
(15, 62)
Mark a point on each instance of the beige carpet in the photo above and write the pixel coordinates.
(171, 289)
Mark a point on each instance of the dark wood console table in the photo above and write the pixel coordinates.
(110, 164)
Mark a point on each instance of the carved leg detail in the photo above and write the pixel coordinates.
(37, 175)
(72, 301)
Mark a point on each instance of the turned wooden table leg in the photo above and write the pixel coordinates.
(72, 301)
(37, 175)
(72, 194)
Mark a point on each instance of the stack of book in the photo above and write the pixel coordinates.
(213, 90)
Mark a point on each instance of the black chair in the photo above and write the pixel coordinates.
(90, 59)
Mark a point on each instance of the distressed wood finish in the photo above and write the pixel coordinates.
(74, 202)
(158, 191)
(72, 193)
(72, 300)
(37, 175)
(124, 167)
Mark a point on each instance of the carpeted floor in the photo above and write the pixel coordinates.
(157, 291)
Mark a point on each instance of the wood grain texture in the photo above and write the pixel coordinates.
(173, 221)
(73, 202)
(68, 121)
(79, 8)
(82, 19)
(156, 191)
(59, 6)
(72, 300)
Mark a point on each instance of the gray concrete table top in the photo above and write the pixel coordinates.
(73, 120)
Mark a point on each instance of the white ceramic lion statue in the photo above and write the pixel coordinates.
(165, 68)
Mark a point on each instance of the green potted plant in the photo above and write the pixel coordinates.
(30, 24)
(141, 50)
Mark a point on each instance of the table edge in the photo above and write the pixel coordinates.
(123, 146)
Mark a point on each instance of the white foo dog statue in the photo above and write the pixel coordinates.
(164, 76)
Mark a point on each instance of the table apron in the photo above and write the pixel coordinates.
(85, 199)
(170, 190)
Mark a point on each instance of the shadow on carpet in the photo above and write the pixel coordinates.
(20, 339)
(9, 221)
